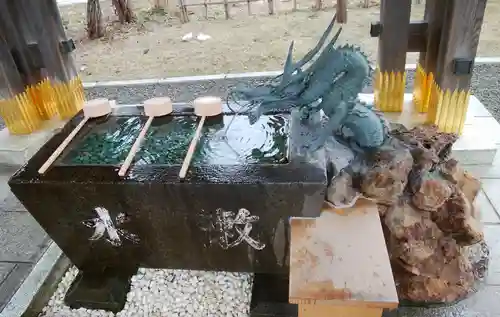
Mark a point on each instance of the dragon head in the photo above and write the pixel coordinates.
(356, 61)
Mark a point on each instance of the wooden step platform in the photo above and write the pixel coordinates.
(339, 264)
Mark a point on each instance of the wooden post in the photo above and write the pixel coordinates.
(294, 5)
(249, 7)
(270, 5)
(183, 12)
(393, 44)
(458, 45)
(160, 4)
(173, 7)
(366, 4)
(226, 9)
(318, 5)
(205, 9)
(341, 9)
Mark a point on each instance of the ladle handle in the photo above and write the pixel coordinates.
(62, 146)
(192, 148)
(135, 148)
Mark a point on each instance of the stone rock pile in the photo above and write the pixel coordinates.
(426, 203)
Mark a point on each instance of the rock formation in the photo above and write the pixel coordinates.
(425, 200)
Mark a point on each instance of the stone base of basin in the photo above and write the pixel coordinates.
(270, 296)
(107, 292)
(230, 214)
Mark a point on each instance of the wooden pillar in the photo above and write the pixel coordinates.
(160, 4)
(393, 44)
(341, 9)
(426, 66)
(449, 99)
(184, 16)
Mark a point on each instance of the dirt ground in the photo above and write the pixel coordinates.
(152, 46)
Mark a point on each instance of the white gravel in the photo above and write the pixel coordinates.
(169, 293)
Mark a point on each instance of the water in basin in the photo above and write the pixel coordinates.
(229, 141)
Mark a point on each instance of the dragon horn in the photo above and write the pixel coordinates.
(318, 46)
(288, 70)
(334, 39)
(325, 54)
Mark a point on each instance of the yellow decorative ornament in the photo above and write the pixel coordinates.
(389, 91)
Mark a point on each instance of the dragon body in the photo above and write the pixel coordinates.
(363, 128)
(330, 82)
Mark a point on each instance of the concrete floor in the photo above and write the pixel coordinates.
(22, 241)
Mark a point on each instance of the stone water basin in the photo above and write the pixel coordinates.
(230, 214)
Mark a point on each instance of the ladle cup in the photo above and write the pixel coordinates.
(155, 107)
(203, 107)
(91, 109)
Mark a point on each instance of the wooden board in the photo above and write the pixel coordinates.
(340, 258)
(336, 311)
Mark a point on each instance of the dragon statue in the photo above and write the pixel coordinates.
(330, 82)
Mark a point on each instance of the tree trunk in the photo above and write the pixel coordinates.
(123, 10)
(95, 28)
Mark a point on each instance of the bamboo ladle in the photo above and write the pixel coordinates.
(154, 107)
(91, 109)
(203, 107)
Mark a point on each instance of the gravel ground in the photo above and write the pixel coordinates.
(172, 293)
(486, 86)
(180, 293)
